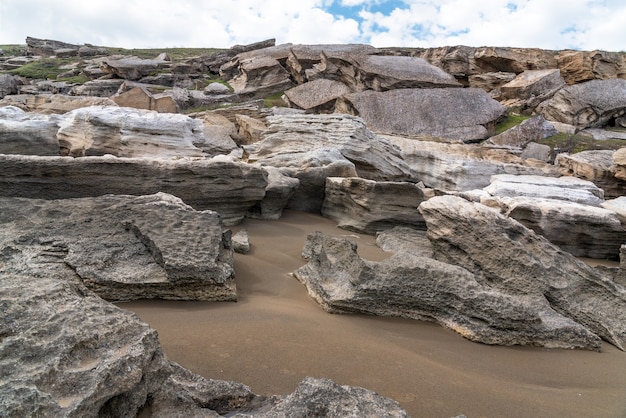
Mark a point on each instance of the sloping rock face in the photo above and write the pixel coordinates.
(314, 147)
(519, 136)
(465, 234)
(317, 95)
(598, 166)
(532, 87)
(227, 187)
(587, 105)
(64, 351)
(128, 132)
(460, 167)
(368, 206)
(463, 114)
(423, 288)
(27, 134)
(127, 247)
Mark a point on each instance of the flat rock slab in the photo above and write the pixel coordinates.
(127, 247)
(229, 188)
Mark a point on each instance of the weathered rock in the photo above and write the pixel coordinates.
(128, 132)
(621, 274)
(26, 133)
(278, 193)
(619, 161)
(53, 103)
(141, 98)
(219, 133)
(570, 189)
(48, 47)
(532, 87)
(310, 62)
(596, 166)
(227, 187)
(127, 247)
(530, 130)
(369, 206)
(98, 88)
(490, 81)
(64, 351)
(382, 73)
(537, 151)
(426, 289)
(314, 147)
(241, 242)
(133, 68)
(617, 205)
(462, 114)
(8, 85)
(250, 129)
(590, 104)
(581, 66)
(465, 234)
(402, 239)
(317, 95)
(459, 167)
(513, 60)
(603, 134)
(260, 76)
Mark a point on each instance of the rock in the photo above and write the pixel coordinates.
(53, 103)
(536, 151)
(513, 60)
(49, 47)
(260, 76)
(463, 114)
(621, 275)
(532, 87)
(570, 189)
(369, 206)
(241, 242)
(426, 289)
(98, 88)
(250, 129)
(602, 134)
(278, 193)
(590, 104)
(227, 187)
(128, 132)
(8, 85)
(317, 95)
(127, 247)
(533, 129)
(382, 73)
(465, 234)
(142, 98)
(26, 133)
(402, 239)
(133, 68)
(619, 161)
(459, 167)
(216, 88)
(219, 133)
(490, 81)
(64, 350)
(581, 66)
(314, 147)
(311, 62)
(617, 205)
(596, 166)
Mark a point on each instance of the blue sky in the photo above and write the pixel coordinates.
(548, 24)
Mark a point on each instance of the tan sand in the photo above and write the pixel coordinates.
(276, 335)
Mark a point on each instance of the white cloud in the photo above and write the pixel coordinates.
(553, 24)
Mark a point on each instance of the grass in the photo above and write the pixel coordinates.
(45, 68)
(512, 119)
(275, 100)
(175, 54)
(13, 50)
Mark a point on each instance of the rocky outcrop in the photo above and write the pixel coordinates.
(533, 129)
(128, 132)
(462, 114)
(314, 147)
(317, 95)
(133, 68)
(226, 187)
(595, 166)
(369, 206)
(278, 193)
(8, 85)
(53, 103)
(581, 66)
(98, 88)
(531, 87)
(619, 161)
(127, 247)
(140, 97)
(27, 133)
(464, 234)
(422, 288)
(587, 105)
(459, 167)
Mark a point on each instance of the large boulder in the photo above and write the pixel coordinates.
(597, 166)
(463, 114)
(314, 147)
(317, 95)
(419, 287)
(229, 188)
(533, 129)
(369, 206)
(8, 85)
(531, 87)
(513, 60)
(129, 132)
(460, 167)
(591, 104)
(27, 133)
(465, 234)
(140, 97)
(127, 247)
(133, 68)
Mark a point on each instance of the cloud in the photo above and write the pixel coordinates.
(554, 24)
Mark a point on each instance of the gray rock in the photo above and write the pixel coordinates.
(532, 87)
(536, 151)
(597, 166)
(226, 187)
(317, 95)
(587, 105)
(463, 114)
(617, 205)
(369, 206)
(53, 103)
(426, 289)
(490, 81)
(241, 242)
(533, 129)
(27, 133)
(127, 247)
(278, 193)
(620, 278)
(402, 239)
(465, 234)
(260, 76)
(8, 85)
(98, 88)
(133, 68)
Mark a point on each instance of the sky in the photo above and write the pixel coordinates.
(547, 24)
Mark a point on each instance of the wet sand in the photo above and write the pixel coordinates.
(276, 335)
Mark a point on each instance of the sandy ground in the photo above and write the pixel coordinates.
(276, 335)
